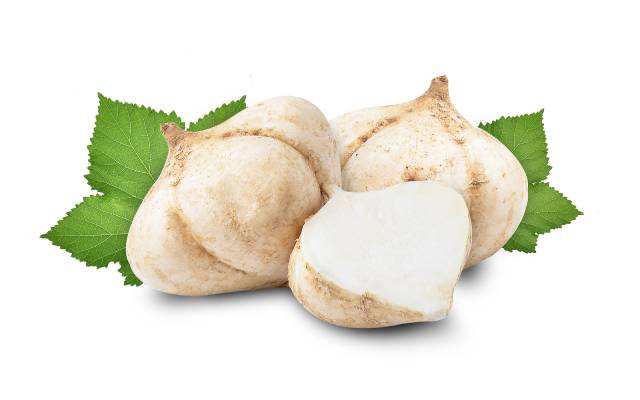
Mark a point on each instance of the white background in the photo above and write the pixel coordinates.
(562, 323)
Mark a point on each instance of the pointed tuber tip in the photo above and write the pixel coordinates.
(168, 127)
(439, 88)
(173, 133)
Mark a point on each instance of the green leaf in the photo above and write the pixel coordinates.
(95, 231)
(522, 240)
(219, 115)
(547, 209)
(130, 279)
(126, 155)
(127, 151)
(524, 136)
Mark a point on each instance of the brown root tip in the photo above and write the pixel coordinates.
(173, 133)
(439, 88)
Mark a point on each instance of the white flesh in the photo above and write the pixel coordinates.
(406, 245)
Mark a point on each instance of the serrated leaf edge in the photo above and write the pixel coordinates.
(48, 236)
(212, 112)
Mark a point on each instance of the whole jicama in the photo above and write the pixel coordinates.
(427, 139)
(230, 202)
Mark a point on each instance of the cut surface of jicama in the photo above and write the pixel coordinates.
(381, 258)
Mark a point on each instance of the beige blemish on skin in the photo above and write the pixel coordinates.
(363, 137)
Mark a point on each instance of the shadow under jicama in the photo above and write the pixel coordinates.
(470, 277)
(261, 295)
(244, 299)
(417, 330)
(475, 274)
